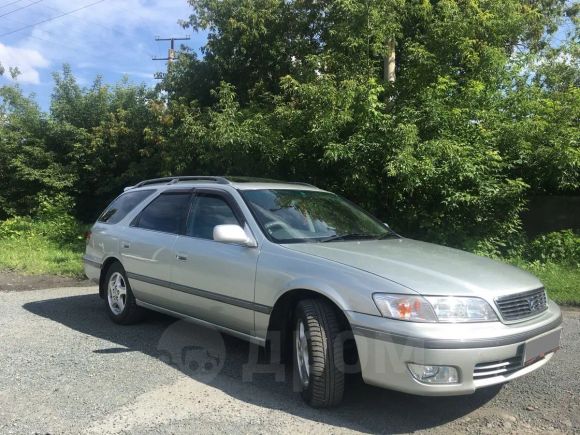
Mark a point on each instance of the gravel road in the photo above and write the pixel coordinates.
(65, 368)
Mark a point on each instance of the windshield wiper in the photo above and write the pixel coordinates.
(389, 236)
(351, 236)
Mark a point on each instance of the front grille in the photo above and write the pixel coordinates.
(497, 368)
(520, 305)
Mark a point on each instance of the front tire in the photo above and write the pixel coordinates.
(318, 353)
(119, 300)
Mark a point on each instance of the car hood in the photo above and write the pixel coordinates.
(425, 267)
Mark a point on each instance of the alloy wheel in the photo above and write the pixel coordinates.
(117, 293)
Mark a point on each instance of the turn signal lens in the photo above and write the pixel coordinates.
(405, 307)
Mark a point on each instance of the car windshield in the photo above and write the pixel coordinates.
(294, 216)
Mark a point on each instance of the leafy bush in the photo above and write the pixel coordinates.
(557, 247)
(55, 221)
(15, 228)
(52, 221)
(560, 280)
(50, 241)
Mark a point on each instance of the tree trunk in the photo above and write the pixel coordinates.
(389, 62)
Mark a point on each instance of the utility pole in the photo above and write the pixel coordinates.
(170, 54)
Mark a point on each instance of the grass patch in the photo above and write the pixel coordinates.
(40, 256)
(33, 246)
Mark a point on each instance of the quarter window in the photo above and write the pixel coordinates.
(166, 213)
(121, 206)
(208, 211)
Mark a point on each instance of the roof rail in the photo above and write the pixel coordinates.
(237, 179)
(173, 180)
(219, 180)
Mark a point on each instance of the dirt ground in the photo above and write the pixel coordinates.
(14, 281)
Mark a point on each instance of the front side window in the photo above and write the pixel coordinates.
(291, 216)
(123, 205)
(208, 211)
(166, 213)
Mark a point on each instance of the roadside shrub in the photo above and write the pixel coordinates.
(558, 247)
(16, 228)
(52, 221)
(55, 222)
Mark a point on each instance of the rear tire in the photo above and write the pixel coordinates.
(119, 300)
(318, 353)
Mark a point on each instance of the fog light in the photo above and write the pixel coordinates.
(434, 374)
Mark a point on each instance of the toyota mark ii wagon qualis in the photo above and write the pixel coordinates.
(263, 259)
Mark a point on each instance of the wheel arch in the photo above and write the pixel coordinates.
(282, 314)
(104, 269)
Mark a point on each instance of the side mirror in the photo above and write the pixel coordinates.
(232, 234)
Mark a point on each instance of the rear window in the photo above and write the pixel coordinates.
(121, 206)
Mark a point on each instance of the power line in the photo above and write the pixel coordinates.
(50, 41)
(51, 19)
(20, 8)
(88, 21)
(10, 3)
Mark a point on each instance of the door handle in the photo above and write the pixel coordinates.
(181, 257)
(125, 245)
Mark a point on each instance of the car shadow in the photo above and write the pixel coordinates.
(225, 362)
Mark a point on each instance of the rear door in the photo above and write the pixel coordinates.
(104, 241)
(147, 247)
(216, 279)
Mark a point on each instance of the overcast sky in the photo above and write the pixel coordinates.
(107, 37)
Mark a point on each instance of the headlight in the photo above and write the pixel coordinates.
(449, 309)
(461, 309)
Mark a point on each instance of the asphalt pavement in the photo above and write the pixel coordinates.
(66, 368)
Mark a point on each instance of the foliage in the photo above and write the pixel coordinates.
(483, 112)
(27, 167)
(560, 280)
(558, 247)
(99, 134)
(41, 256)
(52, 222)
(50, 242)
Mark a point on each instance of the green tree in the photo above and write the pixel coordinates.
(27, 168)
(100, 134)
(483, 112)
(448, 151)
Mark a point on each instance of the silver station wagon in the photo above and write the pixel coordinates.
(337, 289)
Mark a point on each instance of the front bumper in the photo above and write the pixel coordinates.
(385, 346)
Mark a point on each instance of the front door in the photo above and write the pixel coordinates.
(217, 278)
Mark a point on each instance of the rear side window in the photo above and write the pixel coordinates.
(166, 213)
(121, 206)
